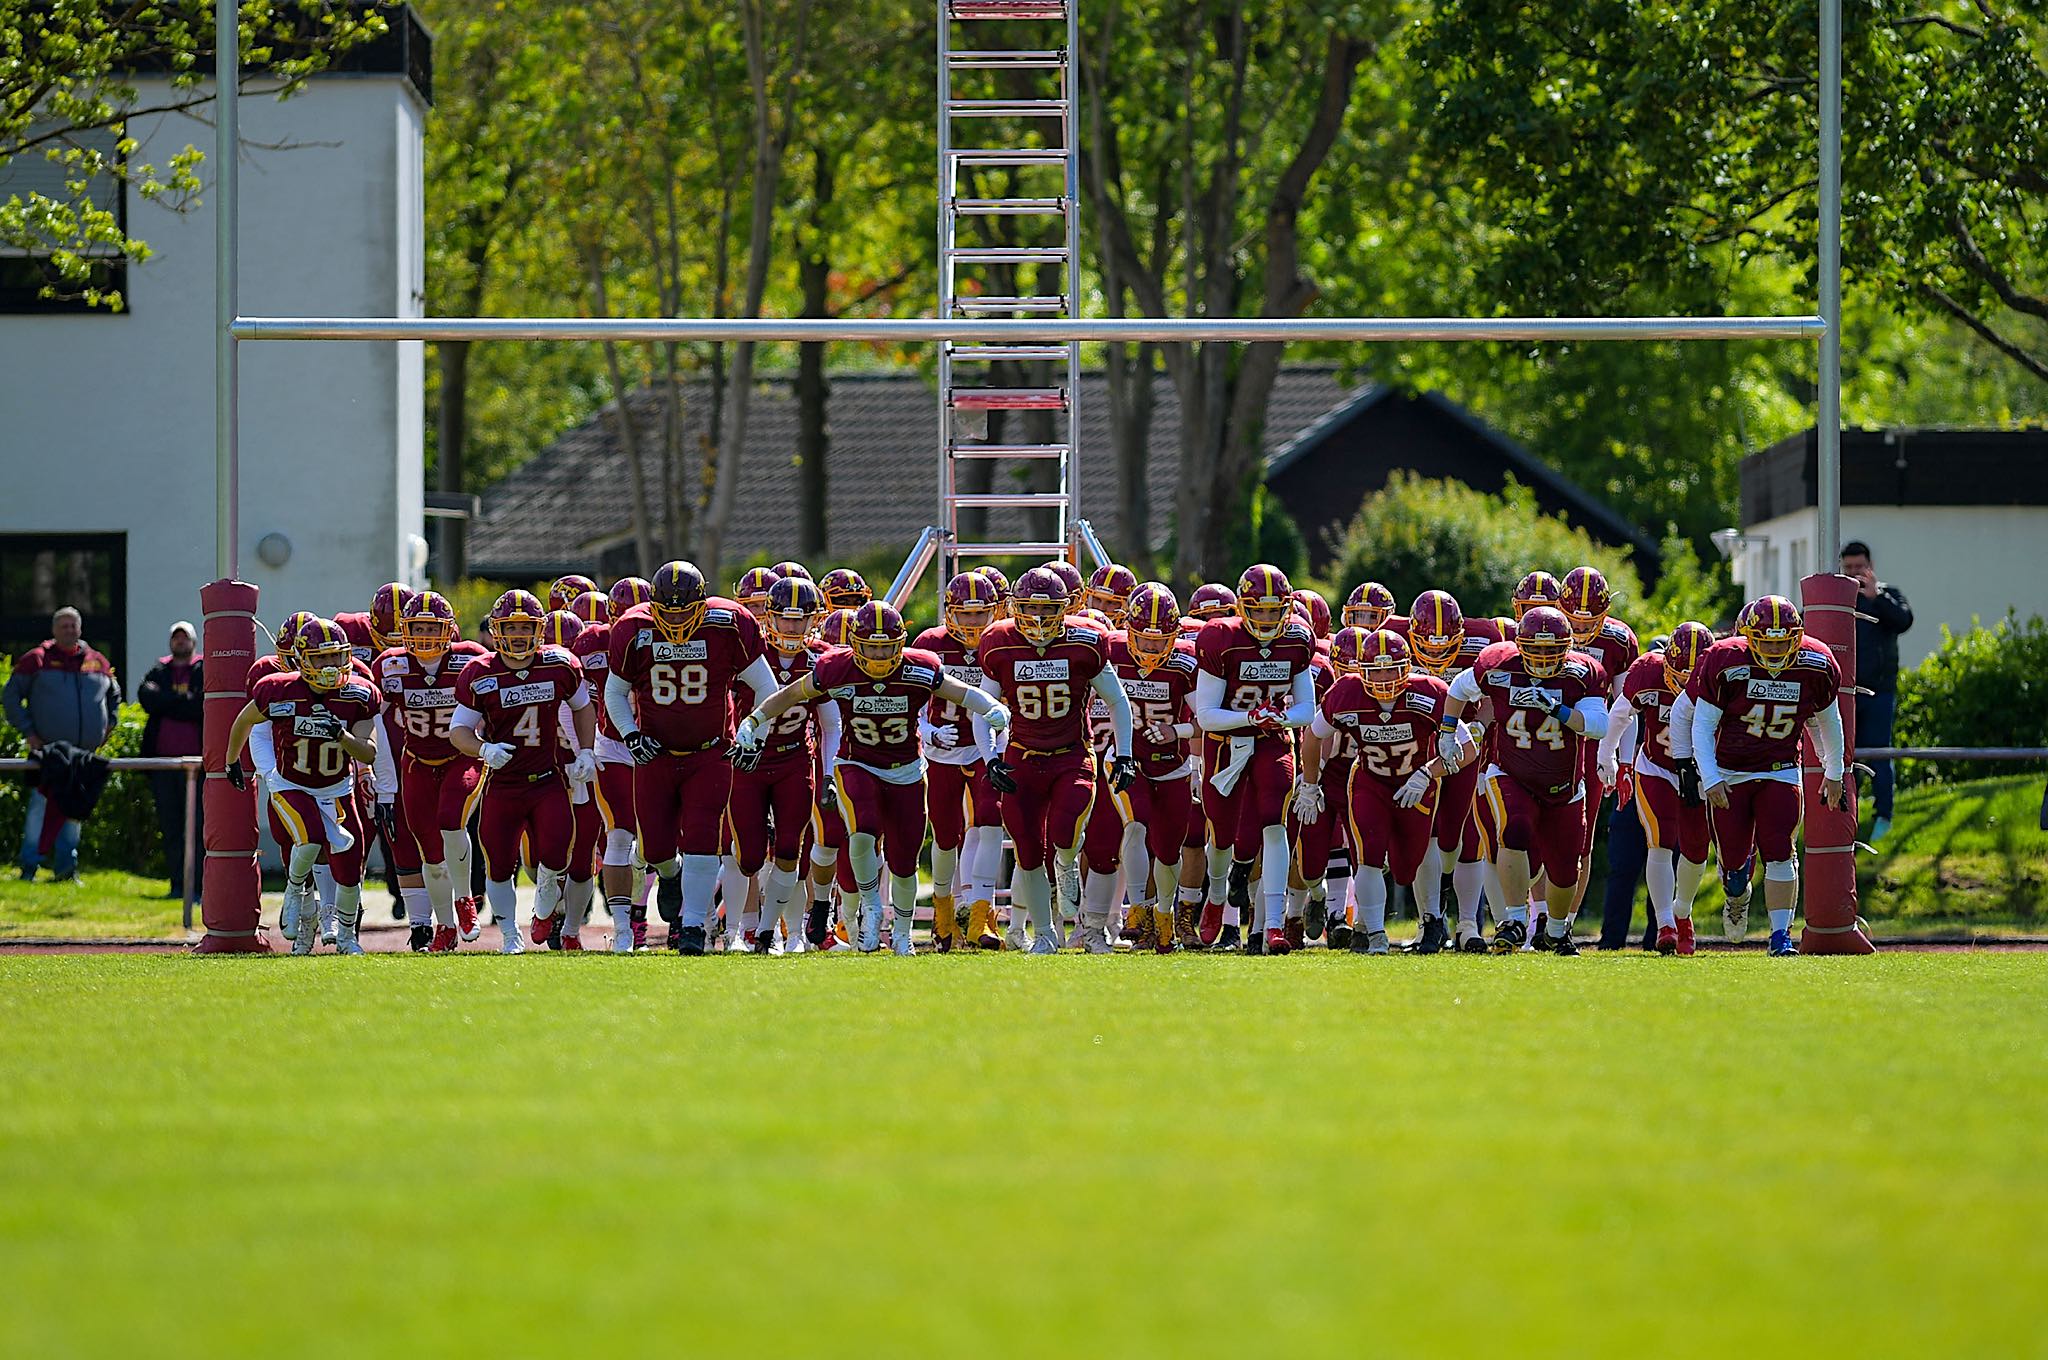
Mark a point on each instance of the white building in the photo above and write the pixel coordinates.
(106, 418)
(1957, 519)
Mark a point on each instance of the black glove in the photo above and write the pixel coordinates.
(387, 822)
(999, 777)
(237, 776)
(828, 796)
(642, 748)
(322, 727)
(1123, 772)
(1689, 782)
(743, 758)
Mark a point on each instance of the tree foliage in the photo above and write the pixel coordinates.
(1985, 687)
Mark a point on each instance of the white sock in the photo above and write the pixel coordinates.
(1296, 903)
(1468, 881)
(1372, 898)
(455, 856)
(780, 893)
(417, 910)
(1781, 918)
(1661, 873)
(440, 891)
(988, 861)
(503, 896)
(700, 881)
(1337, 893)
(1068, 877)
(1166, 889)
(323, 879)
(1098, 900)
(645, 889)
(903, 898)
(1690, 872)
(944, 864)
(1273, 865)
(732, 887)
(1219, 878)
(862, 857)
(576, 902)
(299, 863)
(1429, 881)
(1557, 927)
(1031, 889)
(348, 906)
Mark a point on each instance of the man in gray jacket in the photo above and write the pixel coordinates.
(63, 691)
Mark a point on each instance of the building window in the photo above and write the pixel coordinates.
(29, 281)
(42, 573)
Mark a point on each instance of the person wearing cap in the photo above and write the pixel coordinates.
(63, 691)
(174, 699)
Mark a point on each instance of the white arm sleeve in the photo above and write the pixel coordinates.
(385, 772)
(978, 702)
(1321, 725)
(1210, 714)
(1621, 720)
(618, 705)
(1706, 721)
(758, 678)
(580, 700)
(1303, 705)
(1592, 711)
(1111, 689)
(828, 737)
(1681, 727)
(990, 744)
(262, 755)
(1465, 687)
(1826, 727)
(465, 716)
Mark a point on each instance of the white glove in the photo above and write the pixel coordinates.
(497, 754)
(945, 736)
(1159, 734)
(1447, 748)
(1609, 769)
(749, 732)
(1308, 802)
(1412, 792)
(583, 768)
(997, 718)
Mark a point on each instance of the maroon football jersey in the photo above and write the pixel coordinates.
(1647, 689)
(1763, 716)
(1161, 695)
(1479, 635)
(1253, 672)
(289, 703)
(263, 667)
(878, 724)
(421, 701)
(962, 664)
(357, 628)
(1538, 751)
(1046, 689)
(522, 708)
(1614, 647)
(592, 650)
(682, 691)
(1393, 740)
(791, 734)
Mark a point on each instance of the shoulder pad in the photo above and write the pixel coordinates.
(1181, 661)
(356, 690)
(1294, 632)
(1813, 656)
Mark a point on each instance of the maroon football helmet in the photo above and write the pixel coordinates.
(1039, 602)
(625, 593)
(565, 589)
(1368, 606)
(1544, 638)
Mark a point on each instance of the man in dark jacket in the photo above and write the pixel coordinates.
(64, 691)
(1877, 670)
(173, 697)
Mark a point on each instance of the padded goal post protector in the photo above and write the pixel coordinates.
(231, 904)
(1828, 604)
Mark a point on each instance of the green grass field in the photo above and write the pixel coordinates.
(975, 1155)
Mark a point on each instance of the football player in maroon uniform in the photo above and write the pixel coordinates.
(1753, 696)
(303, 729)
(1157, 670)
(508, 715)
(994, 576)
(1314, 839)
(966, 816)
(751, 590)
(772, 796)
(673, 664)
(563, 629)
(1254, 689)
(792, 568)
(881, 686)
(1392, 713)
(845, 588)
(1045, 670)
(1546, 701)
(1443, 641)
(566, 590)
(1108, 590)
(1674, 821)
(1613, 644)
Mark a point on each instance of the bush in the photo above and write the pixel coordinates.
(1418, 533)
(1986, 687)
(122, 833)
(1687, 590)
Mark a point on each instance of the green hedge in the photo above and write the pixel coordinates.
(1986, 687)
(122, 833)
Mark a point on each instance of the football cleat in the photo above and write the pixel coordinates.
(1685, 940)
(1254, 941)
(1359, 943)
(1295, 933)
(1475, 943)
(571, 944)
(345, 941)
(761, 941)
(870, 927)
(640, 934)
(1137, 925)
(1316, 917)
(1564, 945)
(1539, 932)
(295, 899)
(1227, 938)
(1341, 933)
(818, 923)
(307, 933)
(982, 927)
(1435, 935)
(541, 930)
(443, 941)
(1735, 916)
(1376, 942)
(622, 931)
(1667, 939)
(1209, 933)
(945, 922)
(509, 941)
(1508, 937)
(1044, 943)
(687, 940)
(1278, 942)
(1186, 926)
(1094, 940)
(418, 938)
(900, 940)
(1781, 944)
(1240, 890)
(1013, 938)
(465, 918)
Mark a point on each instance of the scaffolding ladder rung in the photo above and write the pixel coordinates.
(1009, 549)
(1007, 108)
(1010, 450)
(1009, 500)
(1008, 254)
(996, 59)
(989, 354)
(1016, 155)
(973, 305)
(1006, 9)
(1009, 207)
(1009, 398)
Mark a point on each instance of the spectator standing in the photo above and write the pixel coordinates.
(175, 700)
(1877, 670)
(62, 691)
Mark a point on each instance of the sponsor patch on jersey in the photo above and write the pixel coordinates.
(597, 661)
(1148, 689)
(1420, 702)
(1534, 696)
(970, 676)
(881, 703)
(395, 665)
(696, 649)
(1736, 673)
(485, 684)
(393, 683)
(1050, 668)
(920, 675)
(517, 696)
(1264, 670)
(311, 726)
(1782, 691)
(1499, 678)
(430, 698)
(283, 710)
(1664, 711)
(1380, 734)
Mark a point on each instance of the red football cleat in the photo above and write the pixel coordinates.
(1212, 924)
(1295, 932)
(1667, 939)
(572, 944)
(465, 918)
(538, 930)
(1277, 943)
(639, 934)
(443, 941)
(1684, 932)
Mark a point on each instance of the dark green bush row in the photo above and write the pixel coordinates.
(1986, 687)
